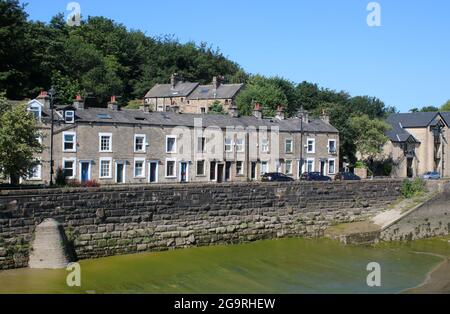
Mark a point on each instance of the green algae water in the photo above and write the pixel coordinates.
(276, 266)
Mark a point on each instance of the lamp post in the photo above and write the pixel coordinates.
(51, 93)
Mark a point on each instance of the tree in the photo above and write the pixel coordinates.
(446, 106)
(261, 90)
(369, 136)
(18, 140)
(425, 109)
(216, 108)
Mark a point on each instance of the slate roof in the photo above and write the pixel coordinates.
(446, 116)
(104, 115)
(224, 91)
(182, 89)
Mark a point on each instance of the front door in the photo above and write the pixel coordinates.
(228, 171)
(322, 167)
(183, 171)
(253, 171)
(153, 172)
(409, 168)
(120, 173)
(220, 173)
(85, 175)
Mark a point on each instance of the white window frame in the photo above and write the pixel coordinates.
(329, 146)
(334, 161)
(240, 147)
(174, 175)
(74, 168)
(69, 114)
(241, 173)
(292, 146)
(144, 143)
(39, 171)
(313, 140)
(32, 108)
(228, 145)
(100, 135)
(110, 176)
(267, 165)
(142, 176)
(265, 146)
(200, 147)
(313, 161)
(286, 168)
(174, 144)
(74, 149)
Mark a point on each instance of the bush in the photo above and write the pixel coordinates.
(60, 179)
(413, 188)
(87, 184)
(360, 165)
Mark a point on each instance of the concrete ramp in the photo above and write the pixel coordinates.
(49, 247)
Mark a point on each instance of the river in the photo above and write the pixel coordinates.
(274, 266)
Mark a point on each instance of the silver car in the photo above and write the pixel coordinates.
(432, 175)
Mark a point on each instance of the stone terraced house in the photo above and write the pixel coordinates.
(419, 142)
(186, 97)
(114, 146)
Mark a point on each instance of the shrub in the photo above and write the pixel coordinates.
(360, 165)
(61, 178)
(87, 184)
(413, 188)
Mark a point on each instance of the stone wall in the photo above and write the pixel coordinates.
(127, 219)
(429, 220)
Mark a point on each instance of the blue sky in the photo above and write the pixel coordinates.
(405, 61)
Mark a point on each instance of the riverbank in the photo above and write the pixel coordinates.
(271, 266)
(437, 282)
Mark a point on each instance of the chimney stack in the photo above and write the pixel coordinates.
(216, 82)
(144, 106)
(78, 103)
(113, 105)
(303, 114)
(233, 111)
(257, 111)
(44, 98)
(173, 80)
(280, 112)
(325, 117)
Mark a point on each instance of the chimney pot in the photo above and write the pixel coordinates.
(280, 112)
(257, 111)
(78, 103)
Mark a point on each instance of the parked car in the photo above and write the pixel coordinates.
(346, 176)
(275, 177)
(314, 176)
(432, 175)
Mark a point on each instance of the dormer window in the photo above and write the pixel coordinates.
(36, 110)
(69, 116)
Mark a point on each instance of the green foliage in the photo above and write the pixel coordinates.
(425, 109)
(360, 165)
(216, 108)
(60, 178)
(413, 188)
(369, 135)
(18, 140)
(446, 106)
(134, 104)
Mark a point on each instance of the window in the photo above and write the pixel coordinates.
(203, 110)
(69, 116)
(105, 142)
(105, 168)
(331, 166)
(311, 147)
(240, 145)
(265, 145)
(239, 168)
(69, 165)
(139, 167)
(200, 167)
(201, 144)
(228, 145)
(171, 144)
(69, 142)
(332, 146)
(35, 171)
(139, 143)
(310, 165)
(288, 166)
(36, 111)
(264, 167)
(288, 146)
(170, 168)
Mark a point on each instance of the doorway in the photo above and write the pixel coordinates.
(253, 171)
(322, 167)
(228, 171)
(220, 168)
(183, 171)
(409, 168)
(85, 171)
(153, 176)
(120, 172)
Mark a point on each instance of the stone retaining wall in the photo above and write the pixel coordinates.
(127, 219)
